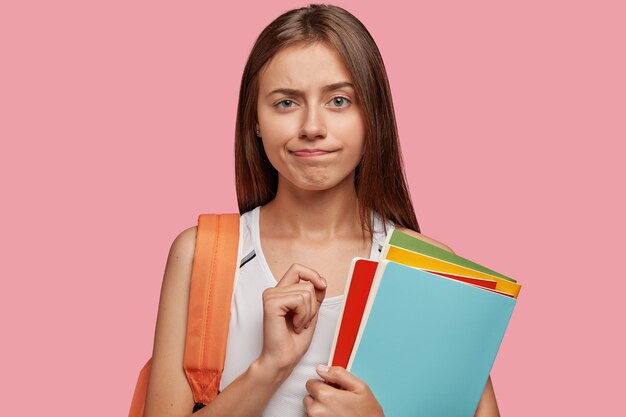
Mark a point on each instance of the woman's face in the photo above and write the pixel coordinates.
(309, 120)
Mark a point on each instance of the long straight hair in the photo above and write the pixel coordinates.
(380, 181)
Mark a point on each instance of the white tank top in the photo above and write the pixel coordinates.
(245, 335)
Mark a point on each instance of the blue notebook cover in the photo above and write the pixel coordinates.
(428, 343)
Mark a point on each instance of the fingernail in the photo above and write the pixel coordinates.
(324, 282)
(322, 368)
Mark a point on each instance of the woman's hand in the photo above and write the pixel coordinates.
(352, 398)
(290, 316)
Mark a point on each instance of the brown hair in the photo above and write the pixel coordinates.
(380, 180)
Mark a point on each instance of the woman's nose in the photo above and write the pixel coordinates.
(313, 126)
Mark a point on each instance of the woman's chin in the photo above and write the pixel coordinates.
(320, 183)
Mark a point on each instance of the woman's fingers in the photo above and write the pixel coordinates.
(297, 273)
(296, 302)
(302, 277)
(300, 293)
(307, 290)
(338, 375)
(304, 307)
(314, 387)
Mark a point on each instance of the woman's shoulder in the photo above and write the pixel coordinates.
(185, 241)
(184, 244)
(425, 238)
(180, 257)
(167, 379)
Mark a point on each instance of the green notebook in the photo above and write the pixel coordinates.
(405, 241)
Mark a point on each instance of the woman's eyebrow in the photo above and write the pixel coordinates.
(325, 89)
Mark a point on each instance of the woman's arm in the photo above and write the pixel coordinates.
(487, 406)
(168, 392)
(289, 320)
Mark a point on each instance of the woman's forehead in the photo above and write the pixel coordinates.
(304, 66)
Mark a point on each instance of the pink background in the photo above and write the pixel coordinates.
(117, 120)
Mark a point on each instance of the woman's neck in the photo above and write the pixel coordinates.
(316, 215)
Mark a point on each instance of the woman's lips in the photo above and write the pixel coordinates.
(307, 153)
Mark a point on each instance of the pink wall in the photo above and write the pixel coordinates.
(116, 124)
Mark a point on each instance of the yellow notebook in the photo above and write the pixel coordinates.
(430, 264)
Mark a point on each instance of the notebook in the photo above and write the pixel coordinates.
(426, 343)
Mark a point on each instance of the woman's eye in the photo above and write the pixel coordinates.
(340, 101)
(285, 104)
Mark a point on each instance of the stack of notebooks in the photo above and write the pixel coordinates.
(422, 327)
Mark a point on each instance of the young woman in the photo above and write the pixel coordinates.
(319, 181)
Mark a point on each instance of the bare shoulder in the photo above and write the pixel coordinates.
(425, 238)
(183, 246)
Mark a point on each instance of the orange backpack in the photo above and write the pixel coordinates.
(212, 276)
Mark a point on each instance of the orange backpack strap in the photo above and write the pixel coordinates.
(139, 396)
(212, 278)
